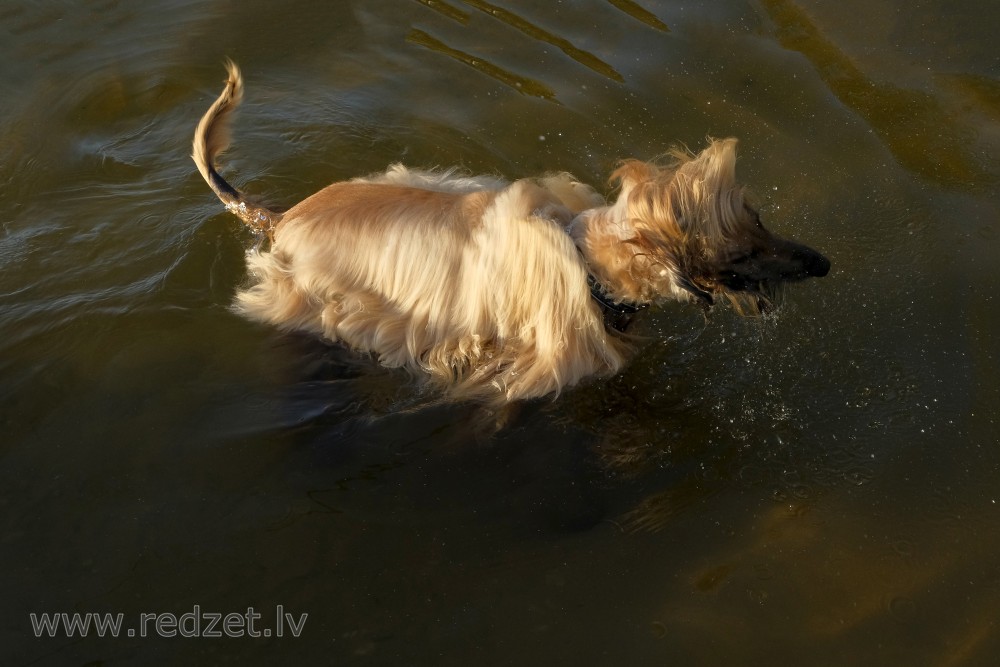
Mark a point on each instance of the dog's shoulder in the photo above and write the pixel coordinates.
(573, 194)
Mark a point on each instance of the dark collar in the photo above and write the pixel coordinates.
(617, 315)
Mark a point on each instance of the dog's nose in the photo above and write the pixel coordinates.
(812, 263)
(817, 266)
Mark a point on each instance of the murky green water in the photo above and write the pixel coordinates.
(819, 488)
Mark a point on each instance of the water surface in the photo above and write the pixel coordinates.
(818, 487)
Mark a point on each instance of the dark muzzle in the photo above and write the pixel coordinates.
(814, 265)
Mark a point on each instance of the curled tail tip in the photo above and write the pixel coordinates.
(234, 80)
(211, 138)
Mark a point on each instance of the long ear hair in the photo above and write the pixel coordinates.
(704, 189)
(692, 195)
(654, 244)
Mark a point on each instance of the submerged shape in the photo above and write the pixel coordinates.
(496, 290)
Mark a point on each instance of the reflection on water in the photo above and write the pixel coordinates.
(637, 11)
(819, 482)
(542, 35)
(519, 83)
(923, 135)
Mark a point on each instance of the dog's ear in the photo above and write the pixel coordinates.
(631, 173)
(647, 205)
(714, 167)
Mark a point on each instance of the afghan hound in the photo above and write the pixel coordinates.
(500, 291)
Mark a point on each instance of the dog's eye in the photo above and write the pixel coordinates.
(742, 257)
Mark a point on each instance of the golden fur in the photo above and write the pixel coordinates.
(482, 284)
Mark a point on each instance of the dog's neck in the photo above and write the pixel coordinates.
(617, 315)
(610, 246)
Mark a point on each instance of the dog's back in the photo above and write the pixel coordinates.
(496, 290)
(483, 290)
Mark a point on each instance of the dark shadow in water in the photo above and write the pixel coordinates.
(661, 448)
(625, 451)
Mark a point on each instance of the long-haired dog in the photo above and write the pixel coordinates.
(502, 291)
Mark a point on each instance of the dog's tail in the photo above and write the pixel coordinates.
(211, 139)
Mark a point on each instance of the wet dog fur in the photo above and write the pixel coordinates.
(499, 291)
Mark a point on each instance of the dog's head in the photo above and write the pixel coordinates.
(697, 236)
